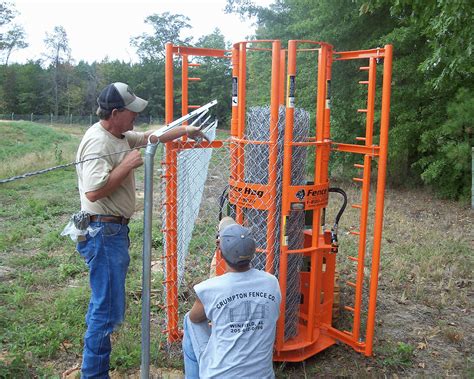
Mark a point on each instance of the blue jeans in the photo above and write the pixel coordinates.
(195, 339)
(106, 255)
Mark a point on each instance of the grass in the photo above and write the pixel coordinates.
(424, 300)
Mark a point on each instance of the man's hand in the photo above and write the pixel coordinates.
(133, 159)
(195, 133)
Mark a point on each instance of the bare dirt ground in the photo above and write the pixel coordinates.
(425, 323)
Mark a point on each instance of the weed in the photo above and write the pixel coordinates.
(69, 270)
(397, 355)
(453, 335)
(58, 153)
(51, 240)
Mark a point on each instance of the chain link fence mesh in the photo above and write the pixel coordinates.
(202, 177)
(257, 171)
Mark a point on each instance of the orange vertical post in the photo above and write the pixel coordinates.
(286, 182)
(281, 95)
(241, 119)
(234, 124)
(320, 176)
(169, 98)
(379, 199)
(235, 95)
(184, 84)
(171, 216)
(364, 211)
(273, 154)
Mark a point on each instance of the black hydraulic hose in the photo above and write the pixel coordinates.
(341, 211)
(224, 196)
(339, 214)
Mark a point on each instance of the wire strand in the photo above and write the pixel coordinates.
(45, 170)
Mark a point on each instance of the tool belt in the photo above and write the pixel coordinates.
(111, 219)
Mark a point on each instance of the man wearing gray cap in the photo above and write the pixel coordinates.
(242, 306)
(107, 191)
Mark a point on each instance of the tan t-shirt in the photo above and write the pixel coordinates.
(94, 174)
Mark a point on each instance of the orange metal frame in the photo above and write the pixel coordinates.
(170, 176)
(315, 330)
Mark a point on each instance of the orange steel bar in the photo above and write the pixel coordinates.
(369, 126)
(327, 110)
(359, 54)
(356, 149)
(198, 51)
(190, 144)
(242, 89)
(184, 85)
(281, 95)
(286, 182)
(235, 93)
(344, 337)
(171, 195)
(244, 141)
(320, 177)
(314, 143)
(169, 83)
(273, 154)
(242, 78)
(235, 113)
(379, 199)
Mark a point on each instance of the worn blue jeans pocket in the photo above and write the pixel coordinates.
(87, 248)
(110, 229)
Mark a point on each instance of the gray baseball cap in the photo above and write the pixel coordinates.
(236, 242)
(119, 95)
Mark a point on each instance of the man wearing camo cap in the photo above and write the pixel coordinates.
(230, 330)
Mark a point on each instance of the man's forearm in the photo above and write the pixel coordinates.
(170, 135)
(197, 313)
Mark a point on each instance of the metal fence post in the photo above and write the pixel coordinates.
(31, 117)
(51, 119)
(12, 116)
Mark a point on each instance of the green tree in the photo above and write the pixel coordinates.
(58, 54)
(32, 88)
(446, 161)
(167, 27)
(216, 81)
(12, 40)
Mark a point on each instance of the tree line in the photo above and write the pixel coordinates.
(432, 108)
(55, 84)
(431, 127)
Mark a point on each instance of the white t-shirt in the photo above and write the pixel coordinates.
(94, 174)
(243, 308)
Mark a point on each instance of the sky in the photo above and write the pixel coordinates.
(102, 28)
